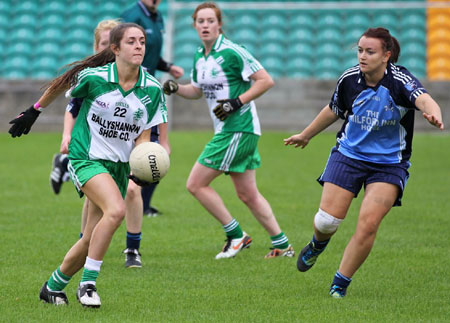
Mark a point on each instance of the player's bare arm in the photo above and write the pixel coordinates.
(430, 110)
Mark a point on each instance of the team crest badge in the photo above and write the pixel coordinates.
(138, 114)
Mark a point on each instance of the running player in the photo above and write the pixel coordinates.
(377, 100)
(223, 72)
(121, 103)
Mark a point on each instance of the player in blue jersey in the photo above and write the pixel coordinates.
(377, 100)
(146, 14)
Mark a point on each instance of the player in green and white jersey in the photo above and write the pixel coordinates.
(223, 72)
(121, 102)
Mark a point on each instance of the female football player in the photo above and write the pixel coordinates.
(223, 72)
(121, 102)
(377, 100)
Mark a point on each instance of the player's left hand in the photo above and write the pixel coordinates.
(176, 71)
(139, 181)
(298, 140)
(23, 122)
(433, 120)
(226, 107)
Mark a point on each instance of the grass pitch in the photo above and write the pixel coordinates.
(406, 277)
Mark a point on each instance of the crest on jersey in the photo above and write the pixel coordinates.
(214, 73)
(138, 114)
(411, 86)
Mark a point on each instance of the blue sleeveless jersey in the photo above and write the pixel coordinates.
(379, 121)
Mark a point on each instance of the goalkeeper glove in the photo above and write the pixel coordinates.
(226, 107)
(23, 122)
(170, 87)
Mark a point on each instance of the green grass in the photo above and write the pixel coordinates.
(405, 279)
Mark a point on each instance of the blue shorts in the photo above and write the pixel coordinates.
(351, 174)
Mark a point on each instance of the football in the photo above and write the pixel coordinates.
(149, 162)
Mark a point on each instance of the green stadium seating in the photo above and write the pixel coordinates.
(81, 8)
(110, 8)
(24, 20)
(412, 35)
(415, 50)
(325, 50)
(329, 19)
(274, 35)
(186, 35)
(185, 50)
(299, 67)
(271, 50)
(22, 34)
(300, 49)
(5, 7)
(78, 35)
(245, 36)
(356, 19)
(24, 49)
(274, 19)
(300, 20)
(388, 20)
(416, 66)
(329, 35)
(351, 37)
(301, 35)
(246, 20)
(50, 49)
(24, 7)
(52, 20)
(273, 65)
(50, 34)
(328, 68)
(413, 19)
(53, 8)
(82, 22)
(77, 50)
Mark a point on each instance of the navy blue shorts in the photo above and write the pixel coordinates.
(351, 174)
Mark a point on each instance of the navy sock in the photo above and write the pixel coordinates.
(341, 280)
(319, 244)
(133, 240)
(147, 193)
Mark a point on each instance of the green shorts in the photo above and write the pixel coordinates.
(231, 152)
(83, 170)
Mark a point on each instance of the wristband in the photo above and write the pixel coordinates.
(38, 107)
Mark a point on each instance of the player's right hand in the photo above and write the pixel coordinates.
(170, 87)
(298, 140)
(23, 122)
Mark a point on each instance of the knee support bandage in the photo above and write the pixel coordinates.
(326, 223)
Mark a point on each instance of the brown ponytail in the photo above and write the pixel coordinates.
(389, 42)
(69, 78)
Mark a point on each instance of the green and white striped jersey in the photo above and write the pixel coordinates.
(224, 74)
(110, 119)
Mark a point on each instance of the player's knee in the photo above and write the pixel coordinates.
(133, 191)
(326, 223)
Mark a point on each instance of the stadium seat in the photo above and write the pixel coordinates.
(274, 19)
(301, 36)
(329, 35)
(438, 19)
(77, 50)
(52, 20)
(85, 22)
(273, 35)
(82, 8)
(78, 35)
(24, 49)
(267, 50)
(330, 19)
(186, 63)
(5, 7)
(17, 62)
(351, 37)
(440, 49)
(385, 19)
(356, 19)
(413, 19)
(22, 34)
(300, 20)
(48, 48)
(246, 20)
(183, 20)
(186, 35)
(348, 62)
(414, 65)
(274, 66)
(438, 35)
(245, 36)
(50, 34)
(185, 50)
(413, 49)
(24, 7)
(24, 20)
(299, 66)
(412, 34)
(44, 74)
(328, 68)
(110, 8)
(328, 49)
(53, 8)
(15, 74)
(301, 50)
(45, 63)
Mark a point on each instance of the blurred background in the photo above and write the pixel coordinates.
(304, 45)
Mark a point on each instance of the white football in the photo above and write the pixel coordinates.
(149, 162)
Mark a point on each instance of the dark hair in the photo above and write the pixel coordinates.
(388, 42)
(210, 5)
(69, 78)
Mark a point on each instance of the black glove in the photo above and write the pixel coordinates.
(23, 122)
(226, 107)
(170, 87)
(140, 182)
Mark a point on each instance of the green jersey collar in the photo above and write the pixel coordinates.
(113, 76)
(216, 45)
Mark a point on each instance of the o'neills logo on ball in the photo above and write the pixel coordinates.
(154, 167)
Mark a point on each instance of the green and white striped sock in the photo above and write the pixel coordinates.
(58, 281)
(280, 241)
(233, 230)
